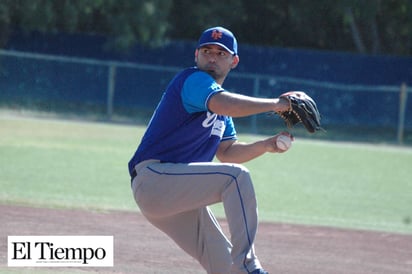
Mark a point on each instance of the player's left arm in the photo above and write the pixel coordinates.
(238, 105)
(233, 151)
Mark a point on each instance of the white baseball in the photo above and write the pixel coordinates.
(283, 142)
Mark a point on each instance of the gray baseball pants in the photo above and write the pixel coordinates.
(175, 199)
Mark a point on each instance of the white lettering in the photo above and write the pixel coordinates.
(210, 119)
(218, 128)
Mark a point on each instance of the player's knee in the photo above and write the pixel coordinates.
(240, 169)
(242, 178)
(242, 172)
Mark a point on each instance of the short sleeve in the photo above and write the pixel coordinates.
(198, 88)
(230, 131)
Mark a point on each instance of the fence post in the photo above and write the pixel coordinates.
(110, 90)
(403, 97)
(256, 87)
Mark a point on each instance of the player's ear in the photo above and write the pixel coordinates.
(235, 61)
(196, 54)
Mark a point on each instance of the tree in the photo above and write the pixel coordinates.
(188, 18)
(126, 22)
(372, 26)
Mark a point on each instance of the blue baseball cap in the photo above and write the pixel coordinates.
(219, 36)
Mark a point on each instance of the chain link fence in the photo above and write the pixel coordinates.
(54, 83)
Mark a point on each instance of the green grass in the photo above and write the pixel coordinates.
(337, 184)
(66, 164)
(60, 163)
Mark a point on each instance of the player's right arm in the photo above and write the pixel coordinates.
(233, 151)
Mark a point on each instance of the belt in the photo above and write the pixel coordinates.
(133, 174)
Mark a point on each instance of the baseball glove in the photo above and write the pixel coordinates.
(302, 109)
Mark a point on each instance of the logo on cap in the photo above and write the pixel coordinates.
(216, 35)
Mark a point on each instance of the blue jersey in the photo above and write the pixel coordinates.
(182, 129)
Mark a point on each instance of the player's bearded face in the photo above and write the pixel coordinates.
(216, 61)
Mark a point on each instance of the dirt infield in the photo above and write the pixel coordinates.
(282, 248)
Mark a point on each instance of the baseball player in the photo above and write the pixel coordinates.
(174, 178)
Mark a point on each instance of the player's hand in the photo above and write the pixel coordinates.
(279, 143)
